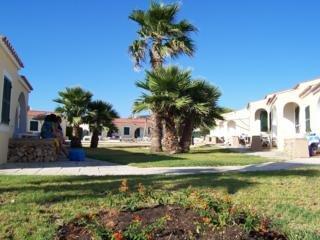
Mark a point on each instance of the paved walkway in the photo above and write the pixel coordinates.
(92, 167)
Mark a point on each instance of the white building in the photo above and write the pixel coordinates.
(128, 128)
(282, 115)
(235, 123)
(14, 96)
(35, 120)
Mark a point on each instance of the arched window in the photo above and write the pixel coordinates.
(264, 121)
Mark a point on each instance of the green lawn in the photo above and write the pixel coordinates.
(204, 156)
(32, 207)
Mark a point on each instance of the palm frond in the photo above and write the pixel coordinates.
(138, 52)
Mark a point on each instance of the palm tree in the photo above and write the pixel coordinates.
(202, 111)
(160, 36)
(164, 87)
(99, 117)
(73, 104)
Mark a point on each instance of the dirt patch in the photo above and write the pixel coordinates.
(161, 222)
(74, 231)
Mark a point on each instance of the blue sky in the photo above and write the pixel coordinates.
(247, 48)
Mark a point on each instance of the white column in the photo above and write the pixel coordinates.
(302, 121)
(280, 126)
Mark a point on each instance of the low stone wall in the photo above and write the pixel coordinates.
(296, 147)
(256, 144)
(32, 150)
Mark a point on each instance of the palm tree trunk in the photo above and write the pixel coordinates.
(76, 138)
(156, 133)
(155, 57)
(170, 140)
(157, 129)
(94, 139)
(186, 136)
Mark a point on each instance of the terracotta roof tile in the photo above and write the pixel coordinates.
(12, 50)
(133, 121)
(36, 113)
(26, 82)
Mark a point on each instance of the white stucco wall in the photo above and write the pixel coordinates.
(10, 69)
(280, 106)
(234, 124)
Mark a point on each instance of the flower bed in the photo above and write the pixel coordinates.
(192, 215)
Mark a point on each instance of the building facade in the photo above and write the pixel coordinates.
(35, 119)
(288, 114)
(128, 129)
(14, 96)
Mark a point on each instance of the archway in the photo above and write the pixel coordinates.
(21, 115)
(291, 116)
(231, 126)
(261, 120)
(138, 133)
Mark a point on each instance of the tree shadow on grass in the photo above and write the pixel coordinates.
(122, 156)
(64, 189)
(212, 151)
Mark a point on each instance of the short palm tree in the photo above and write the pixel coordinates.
(160, 36)
(99, 116)
(163, 97)
(203, 111)
(73, 104)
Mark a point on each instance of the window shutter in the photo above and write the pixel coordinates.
(6, 99)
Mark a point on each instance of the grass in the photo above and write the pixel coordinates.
(33, 207)
(204, 156)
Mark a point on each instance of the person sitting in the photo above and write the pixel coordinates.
(50, 130)
(47, 129)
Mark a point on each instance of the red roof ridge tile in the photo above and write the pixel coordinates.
(13, 52)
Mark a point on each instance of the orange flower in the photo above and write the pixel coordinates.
(137, 218)
(206, 220)
(117, 236)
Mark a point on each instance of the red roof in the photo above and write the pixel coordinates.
(35, 113)
(11, 50)
(132, 121)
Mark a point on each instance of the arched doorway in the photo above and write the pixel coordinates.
(261, 120)
(21, 115)
(231, 126)
(138, 133)
(291, 116)
(221, 131)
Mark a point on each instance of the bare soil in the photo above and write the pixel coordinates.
(180, 223)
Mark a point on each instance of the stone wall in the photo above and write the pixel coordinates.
(32, 150)
(296, 147)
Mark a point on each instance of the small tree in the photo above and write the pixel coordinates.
(99, 117)
(73, 103)
(202, 112)
(163, 97)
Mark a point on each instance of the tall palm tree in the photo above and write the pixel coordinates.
(160, 36)
(203, 111)
(163, 97)
(73, 104)
(99, 117)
